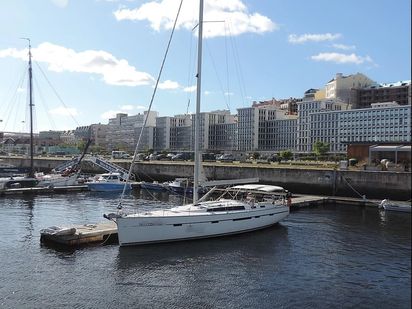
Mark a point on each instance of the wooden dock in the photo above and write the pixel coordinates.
(43, 190)
(307, 201)
(47, 190)
(314, 201)
(85, 234)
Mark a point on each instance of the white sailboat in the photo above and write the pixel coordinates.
(248, 208)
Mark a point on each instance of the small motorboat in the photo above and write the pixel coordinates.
(395, 206)
(155, 186)
(184, 186)
(109, 182)
(17, 182)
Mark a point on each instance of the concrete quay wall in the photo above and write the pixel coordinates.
(372, 184)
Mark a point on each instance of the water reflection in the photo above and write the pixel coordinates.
(244, 246)
(28, 205)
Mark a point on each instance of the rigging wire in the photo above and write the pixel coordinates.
(227, 68)
(14, 100)
(44, 104)
(150, 105)
(57, 95)
(238, 67)
(217, 75)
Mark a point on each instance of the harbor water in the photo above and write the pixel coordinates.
(324, 257)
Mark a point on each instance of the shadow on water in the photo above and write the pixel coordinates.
(249, 245)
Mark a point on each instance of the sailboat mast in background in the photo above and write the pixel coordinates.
(198, 97)
(31, 172)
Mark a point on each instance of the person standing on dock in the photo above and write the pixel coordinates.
(289, 199)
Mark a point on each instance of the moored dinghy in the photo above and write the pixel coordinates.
(395, 206)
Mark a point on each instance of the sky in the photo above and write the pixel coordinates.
(95, 58)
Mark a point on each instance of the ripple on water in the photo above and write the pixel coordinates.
(323, 257)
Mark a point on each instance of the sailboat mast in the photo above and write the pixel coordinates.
(31, 172)
(198, 96)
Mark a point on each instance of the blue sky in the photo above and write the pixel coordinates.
(103, 56)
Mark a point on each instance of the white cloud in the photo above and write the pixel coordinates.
(341, 58)
(168, 85)
(190, 89)
(60, 3)
(237, 19)
(109, 114)
(123, 109)
(300, 39)
(112, 70)
(127, 107)
(206, 92)
(344, 47)
(229, 94)
(62, 111)
(130, 107)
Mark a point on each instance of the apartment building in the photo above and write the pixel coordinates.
(382, 122)
(339, 88)
(304, 120)
(207, 120)
(173, 133)
(278, 135)
(399, 92)
(123, 131)
(223, 137)
(266, 127)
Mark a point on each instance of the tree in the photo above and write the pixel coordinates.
(80, 145)
(286, 154)
(255, 155)
(321, 148)
(96, 149)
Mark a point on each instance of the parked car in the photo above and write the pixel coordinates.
(161, 156)
(208, 157)
(226, 157)
(140, 157)
(274, 158)
(152, 156)
(116, 154)
(183, 156)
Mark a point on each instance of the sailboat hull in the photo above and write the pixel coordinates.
(136, 230)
